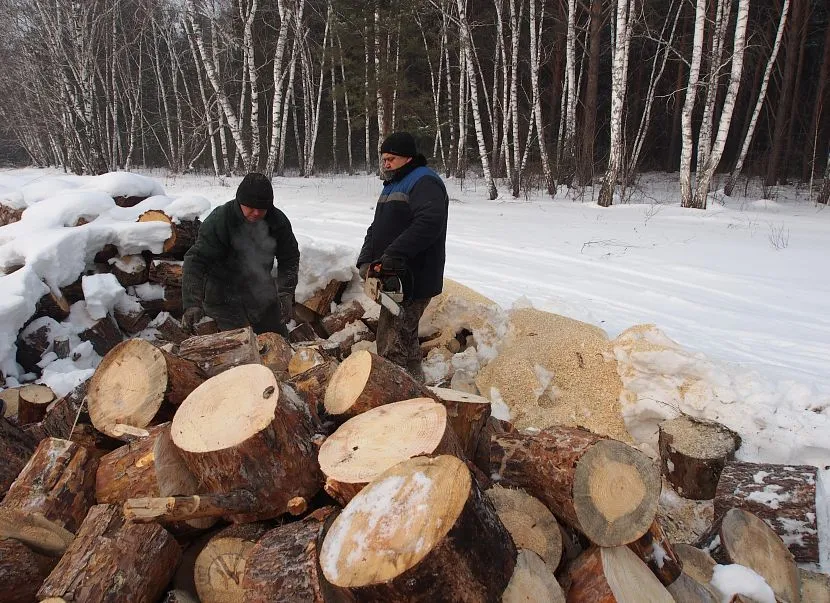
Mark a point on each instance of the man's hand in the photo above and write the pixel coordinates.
(286, 300)
(190, 317)
(392, 264)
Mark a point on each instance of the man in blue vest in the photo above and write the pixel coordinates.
(408, 237)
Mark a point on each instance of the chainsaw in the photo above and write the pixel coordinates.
(385, 288)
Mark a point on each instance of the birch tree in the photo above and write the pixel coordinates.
(689, 106)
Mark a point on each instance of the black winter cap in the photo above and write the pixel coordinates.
(401, 144)
(255, 191)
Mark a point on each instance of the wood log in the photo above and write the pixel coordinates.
(532, 580)
(66, 412)
(132, 384)
(693, 453)
(9, 214)
(688, 590)
(206, 326)
(320, 302)
(58, 482)
(60, 345)
(345, 314)
(170, 329)
(22, 571)
(16, 447)
(179, 596)
(222, 563)
(311, 385)
(33, 403)
(170, 302)
(305, 358)
(341, 344)
(54, 305)
(604, 488)
(491, 427)
(132, 320)
(130, 270)
(11, 401)
(423, 531)
(302, 333)
(97, 443)
(613, 574)
(275, 353)
(370, 443)
(183, 233)
(815, 587)
(166, 272)
(784, 496)
(696, 562)
(224, 350)
(114, 560)
(35, 531)
(32, 343)
(242, 430)
(190, 508)
(127, 201)
(468, 414)
(655, 550)
(74, 292)
(364, 381)
(103, 335)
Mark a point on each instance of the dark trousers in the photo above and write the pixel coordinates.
(235, 317)
(397, 336)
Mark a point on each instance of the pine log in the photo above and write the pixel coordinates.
(32, 343)
(60, 345)
(16, 447)
(22, 571)
(364, 381)
(54, 305)
(688, 590)
(166, 272)
(170, 302)
(34, 401)
(221, 351)
(130, 270)
(305, 358)
(58, 482)
(170, 329)
(74, 292)
(132, 384)
(491, 428)
(655, 550)
(242, 430)
(127, 200)
(696, 562)
(190, 508)
(784, 496)
(66, 412)
(206, 326)
(9, 214)
(468, 414)
(613, 574)
(604, 488)
(11, 401)
(693, 453)
(345, 314)
(221, 565)
(815, 587)
(275, 353)
(311, 385)
(103, 335)
(423, 531)
(112, 559)
(532, 580)
(97, 443)
(370, 443)
(183, 233)
(302, 333)
(132, 320)
(320, 302)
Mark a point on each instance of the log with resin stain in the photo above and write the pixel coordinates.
(468, 414)
(221, 564)
(613, 575)
(221, 351)
(33, 403)
(604, 488)
(422, 531)
(532, 580)
(16, 448)
(367, 445)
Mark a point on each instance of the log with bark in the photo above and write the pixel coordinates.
(60, 345)
(222, 563)
(58, 482)
(9, 214)
(112, 559)
(206, 326)
(320, 302)
(370, 443)
(137, 384)
(610, 574)
(693, 583)
(129, 270)
(33, 403)
(221, 351)
(66, 412)
(22, 571)
(32, 343)
(183, 233)
(16, 448)
(311, 385)
(275, 353)
(657, 553)
(693, 453)
(170, 301)
(132, 319)
(345, 314)
(422, 531)
(305, 358)
(103, 335)
(10, 400)
(364, 381)
(35, 531)
(128, 200)
(532, 580)
(166, 272)
(491, 428)
(604, 488)
(170, 329)
(54, 305)
(302, 333)
(784, 496)
(93, 440)
(468, 415)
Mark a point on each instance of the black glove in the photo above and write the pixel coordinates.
(286, 299)
(392, 264)
(363, 270)
(190, 317)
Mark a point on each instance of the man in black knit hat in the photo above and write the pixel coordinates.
(227, 272)
(407, 237)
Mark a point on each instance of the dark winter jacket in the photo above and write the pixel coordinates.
(227, 272)
(411, 223)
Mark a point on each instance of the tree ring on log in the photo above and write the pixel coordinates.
(348, 382)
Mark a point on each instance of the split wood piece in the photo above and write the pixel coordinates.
(303, 332)
(170, 329)
(33, 403)
(189, 508)
(221, 564)
(530, 523)
(311, 386)
(693, 453)
(741, 537)
(604, 488)
(815, 587)
(423, 526)
(345, 314)
(103, 335)
(16, 447)
(183, 233)
(166, 272)
(614, 574)
(114, 560)
(171, 301)
(688, 590)
(133, 382)
(320, 302)
(9, 214)
(10, 401)
(784, 496)
(54, 305)
(697, 563)
(364, 381)
(370, 443)
(35, 531)
(133, 320)
(468, 414)
(242, 430)
(60, 345)
(22, 571)
(58, 482)
(129, 270)
(206, 326)
(532, 580)
(221, 351)
(305, 358)
(275, 353)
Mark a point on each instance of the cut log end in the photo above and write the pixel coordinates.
(532, 580)
(614, 574)
(305, 358)
(220, 566)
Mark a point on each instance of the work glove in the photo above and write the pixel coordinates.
(286, 300)
(391, 264)
(190, 317)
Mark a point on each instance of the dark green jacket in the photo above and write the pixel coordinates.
(227, 272)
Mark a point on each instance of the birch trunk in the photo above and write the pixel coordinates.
(346, 103)
(250, 65)
(277, 129)
(535, 51)
(704, 137)
(566, 169)
(689, 106)
(515, 22)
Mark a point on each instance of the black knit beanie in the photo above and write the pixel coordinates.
(401, 144)
(255, 191)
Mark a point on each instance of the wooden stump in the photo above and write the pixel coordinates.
(132, 383)
(114, 560)
(16, 447)
(60, 345)
(22, 571)
(468, 414)
(369, 444)
(320, 302)
(337, 321)
(613, 574)
(221, 565)
(604, 488)
(655, 550)
(182, 233)
(784, 496)
(130, 270)
(311, 385)
(422, 531)
(221, 351)
(58, 482)
(532, 580)
(166, 272)
(530, 523)
(305, 358)
(364, 381)
(693, 454)
(103, 335)
(33, 403)
(242, 430)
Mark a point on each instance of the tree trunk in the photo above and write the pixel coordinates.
(586, 161)
(220, 351)
(814, 131)
(16, 447)
(689, 106)
(607, 575)
(223, 562)
(535, 59)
